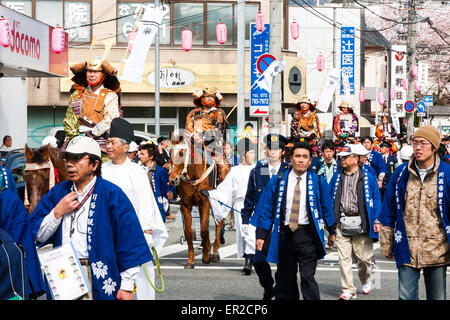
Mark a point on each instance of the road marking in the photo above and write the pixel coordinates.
(224, 252)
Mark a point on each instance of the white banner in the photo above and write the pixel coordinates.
(134, 65)
(328, 90)
(395, 120)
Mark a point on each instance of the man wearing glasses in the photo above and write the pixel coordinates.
(100, 221)
(415, 218)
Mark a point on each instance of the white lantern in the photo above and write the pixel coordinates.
(58, 39)
(186, 39)
(295, 30)
(221, 32)
(259, 22)
(5, 32)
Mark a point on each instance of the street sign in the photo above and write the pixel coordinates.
(421, 108)
(428, 100)
(259, 47)
(409, 106)
(264, 62)
(421, 114)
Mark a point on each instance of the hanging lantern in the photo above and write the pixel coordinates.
(405, 84)
(381, 97)
(58, 39)
(417, 86)
(5, 32)
(362, 95)
(295, 30)
(320, 62)
(131, 37)
(186, 39)
(392, 94)
(221, 32)
(259, 21)
(414, 71)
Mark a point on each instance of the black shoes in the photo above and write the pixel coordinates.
(247, 270)
(268, 294)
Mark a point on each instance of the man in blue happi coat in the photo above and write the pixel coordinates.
(7, 180)
(294, 232)
(375, 160)
(100, 221)
(14, 219)
(258, 179)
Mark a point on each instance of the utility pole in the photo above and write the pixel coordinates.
(240, 66)
(333, 105)
(410, 61)
(157, 114)
(275, 116)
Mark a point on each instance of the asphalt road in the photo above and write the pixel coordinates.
(224, 280)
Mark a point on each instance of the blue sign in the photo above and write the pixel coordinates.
(348, 56)
(259, 45)
(421, 107)
(409, 106)
(428, 100)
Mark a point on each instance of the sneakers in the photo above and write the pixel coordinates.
(366, 288)
(347, 296)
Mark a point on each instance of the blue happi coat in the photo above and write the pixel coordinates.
(114, 236)
(376, 161)
(15, 220)
(372, 197)
(7, 180)
(160, 184)
(318, 207)
(394, 206)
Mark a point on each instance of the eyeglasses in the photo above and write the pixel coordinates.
(421, 143)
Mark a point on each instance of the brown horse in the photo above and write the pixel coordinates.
(190, 177)
(43, 170)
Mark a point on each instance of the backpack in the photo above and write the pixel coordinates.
(13, 274)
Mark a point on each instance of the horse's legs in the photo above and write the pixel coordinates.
(187, 217)
(204, 210)
(215, 255)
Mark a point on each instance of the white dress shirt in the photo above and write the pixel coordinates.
(79, 237)
(292, 181)
(277, 167)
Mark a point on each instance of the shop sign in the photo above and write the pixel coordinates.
(172, 78)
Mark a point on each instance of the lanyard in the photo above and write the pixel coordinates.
(72, 218)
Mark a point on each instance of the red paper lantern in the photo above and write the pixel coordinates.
(362, 95)
(416, 85)
(295, 30)
(131, 37)
(221, 32)
(381, 97)
(414, 71)
(392, 94)
(259, 22)
(320, 62)
(186, 39)
(58, 39)
(405, 84)
(5, 32)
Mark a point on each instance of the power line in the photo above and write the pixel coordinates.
(388, 19)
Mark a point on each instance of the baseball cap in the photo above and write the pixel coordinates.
(83, 144)
(405, 152)
(133, 147)
(348, 149)
(360, 150)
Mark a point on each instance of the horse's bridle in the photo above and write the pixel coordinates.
(52, 179)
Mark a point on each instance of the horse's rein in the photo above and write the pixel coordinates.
(53, 175)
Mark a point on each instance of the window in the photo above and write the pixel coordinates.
(130, 10)
(219, 12)
(201, 17)
(191, 15)
(66, 13)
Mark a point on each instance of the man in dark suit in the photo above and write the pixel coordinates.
(259, 177)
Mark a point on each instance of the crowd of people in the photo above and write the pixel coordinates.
(307, 195)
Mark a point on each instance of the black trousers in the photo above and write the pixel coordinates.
(262, 269)
(299, 253)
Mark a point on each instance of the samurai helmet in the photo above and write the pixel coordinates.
(346, 104)
(211, 92)
(307, 100)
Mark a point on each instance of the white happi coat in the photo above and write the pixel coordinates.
(231, 191)
(133, 180)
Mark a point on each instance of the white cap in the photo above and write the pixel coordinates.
(356, 149)
(133, 147)
(83, 144)
(51, 140)
(405, 152)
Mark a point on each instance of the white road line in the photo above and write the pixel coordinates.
(175, 248)
(224, 252)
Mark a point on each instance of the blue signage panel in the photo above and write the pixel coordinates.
(428, 100)
(421, 106)
(348, 56)
(259, 45)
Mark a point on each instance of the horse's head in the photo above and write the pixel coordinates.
(178, 157)
(40, 173)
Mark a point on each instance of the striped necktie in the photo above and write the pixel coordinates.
(293, 218)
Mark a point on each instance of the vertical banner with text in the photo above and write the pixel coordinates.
(348, 57)
(259, 45)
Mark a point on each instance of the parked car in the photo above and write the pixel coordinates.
(139, 136)
(15, 162)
